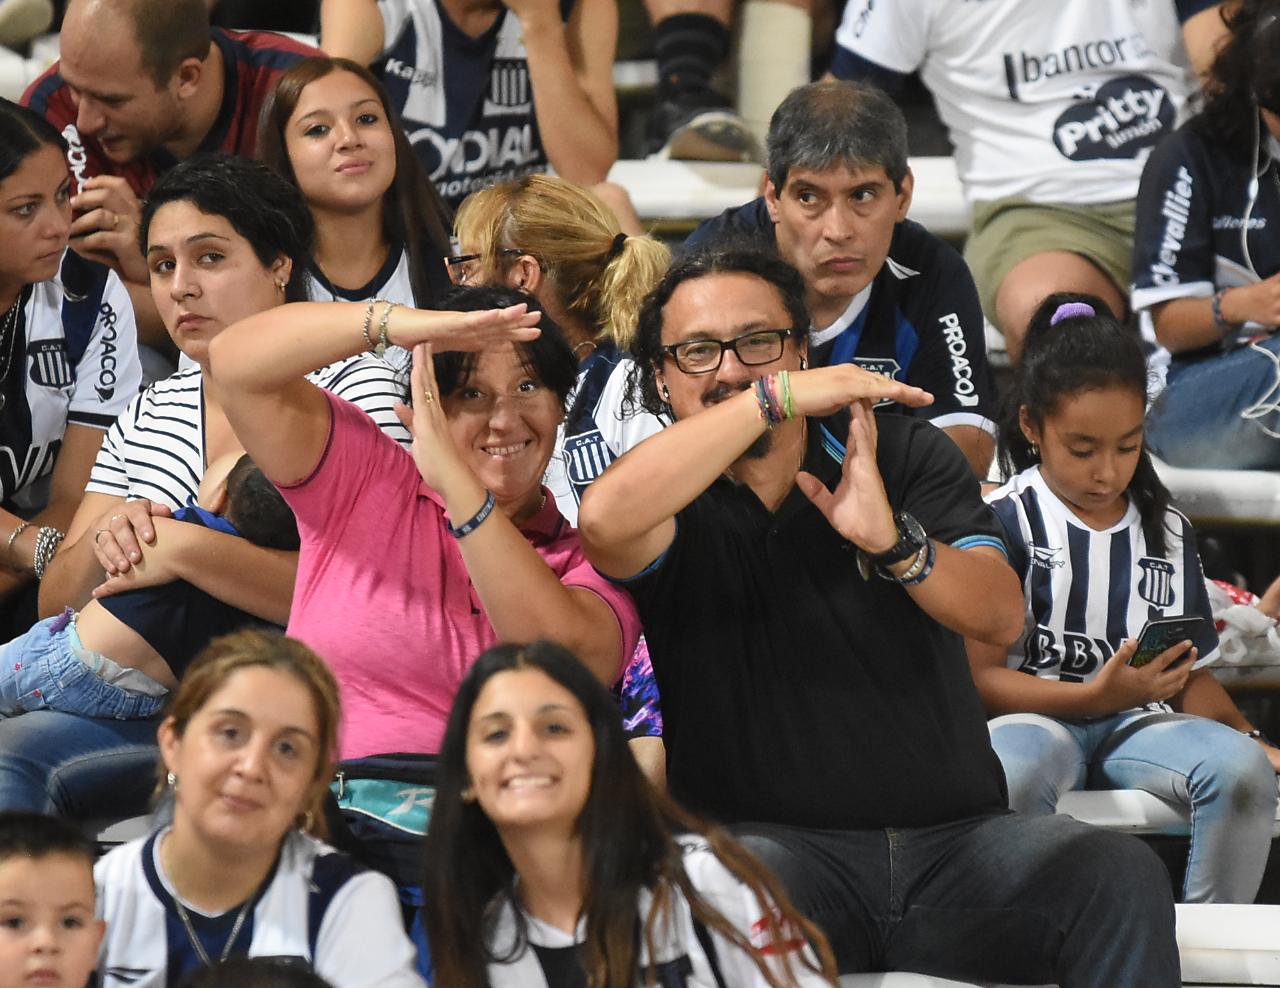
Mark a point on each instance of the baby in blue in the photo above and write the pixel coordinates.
(119, 656)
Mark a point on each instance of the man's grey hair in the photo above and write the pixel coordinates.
(825, 124)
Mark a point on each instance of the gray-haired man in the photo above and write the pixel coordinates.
(883, 292)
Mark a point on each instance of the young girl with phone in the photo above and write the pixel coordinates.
(1100, 552)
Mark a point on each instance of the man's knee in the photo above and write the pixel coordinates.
(1035, 278)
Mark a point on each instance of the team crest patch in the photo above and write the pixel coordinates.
(586, 456)
(50, 367)
(1156, 585)
(885, 367)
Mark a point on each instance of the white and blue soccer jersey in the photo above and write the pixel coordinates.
(687, 954)
(318, 910)
(69, 358)
(599, 426)
(465, 103)
(390, 284)
(1088, 591)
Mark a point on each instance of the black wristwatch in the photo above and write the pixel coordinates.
(911, 539)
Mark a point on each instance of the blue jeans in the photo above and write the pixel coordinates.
(1223, 777)
(1003, 898)
(1195, 422)
(48, 668)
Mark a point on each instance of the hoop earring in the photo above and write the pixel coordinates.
(804, 364)
(666, 393)
(171, 781)
(1035, 451)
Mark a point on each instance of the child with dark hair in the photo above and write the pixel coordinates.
(122, 654)
(48, 933)
(1100, 552)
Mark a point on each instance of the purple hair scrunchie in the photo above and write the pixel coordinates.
(1071, 310)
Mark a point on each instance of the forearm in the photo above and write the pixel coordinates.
(1205, 697)
(522, 597)
(580, 136)
(1008, 691)
(973, 592)
(652, 482)
(351, 29)
(71, 577)
(239, 573)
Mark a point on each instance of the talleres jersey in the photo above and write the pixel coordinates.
(318, 911)
(1088, 591)
(1054, 101)
(70, 358)
(687, 954)
(466, 103)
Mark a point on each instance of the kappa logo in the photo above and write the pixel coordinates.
(50, 367)
(1156, 584)
(1046, 557)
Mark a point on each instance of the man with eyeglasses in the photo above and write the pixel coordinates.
(883, 292)
(805, 570)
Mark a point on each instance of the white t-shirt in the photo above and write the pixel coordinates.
(1054, 101)
(71, 358)
(319, 909)
(679, 945)
(155, 449)
(391, 284)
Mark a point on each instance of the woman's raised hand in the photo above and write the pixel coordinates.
(447, 330)
(825, 390)
(434, 451)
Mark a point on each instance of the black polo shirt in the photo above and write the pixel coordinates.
(795, 692)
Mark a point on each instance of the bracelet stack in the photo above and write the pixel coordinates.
(476, 520)
(48, 539)
(773, 394)
(1219, 320)
(380, 347)
(919, 569)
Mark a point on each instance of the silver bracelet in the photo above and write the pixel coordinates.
(22, 527)
(383, 342)
(368, 319)
(48, 539)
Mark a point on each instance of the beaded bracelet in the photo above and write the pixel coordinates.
(381, 348)
(476, 520)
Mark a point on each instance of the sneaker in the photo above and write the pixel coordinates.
(699, 126)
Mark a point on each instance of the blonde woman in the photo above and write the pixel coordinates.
(564, 245)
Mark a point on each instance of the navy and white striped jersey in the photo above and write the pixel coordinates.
(687, 954)
(391, 284)
(1088, 591)
(599, 426)
(156, 448)
(318, 910)
(70, 359)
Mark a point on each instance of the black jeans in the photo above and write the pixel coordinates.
(1001, 898)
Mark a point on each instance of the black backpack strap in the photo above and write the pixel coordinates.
(709, 948)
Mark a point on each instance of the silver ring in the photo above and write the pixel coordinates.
(98, 533)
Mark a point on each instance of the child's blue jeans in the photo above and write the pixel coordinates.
(49, 668)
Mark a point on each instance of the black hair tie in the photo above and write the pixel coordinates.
(616, 247)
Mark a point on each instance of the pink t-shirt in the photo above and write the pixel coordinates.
(383, 594)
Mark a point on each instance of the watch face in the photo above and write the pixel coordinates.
(911, 537)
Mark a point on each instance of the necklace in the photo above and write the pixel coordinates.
(195, 940)
(585, 343)
(11, 330)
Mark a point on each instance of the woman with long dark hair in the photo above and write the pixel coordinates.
(381, 229)
(550, 860)
(1207, 261)
(68, 359)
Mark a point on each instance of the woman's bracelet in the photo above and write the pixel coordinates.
(379, 348)
(48, 539)
(13, 536)
(476, 520)
(1219, 320)
(383, 342)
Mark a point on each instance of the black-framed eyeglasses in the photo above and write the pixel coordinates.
(465, 268)
(760, 346)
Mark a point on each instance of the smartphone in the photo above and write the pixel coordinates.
(1162, 634)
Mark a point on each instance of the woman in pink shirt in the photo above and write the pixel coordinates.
(414, 563)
